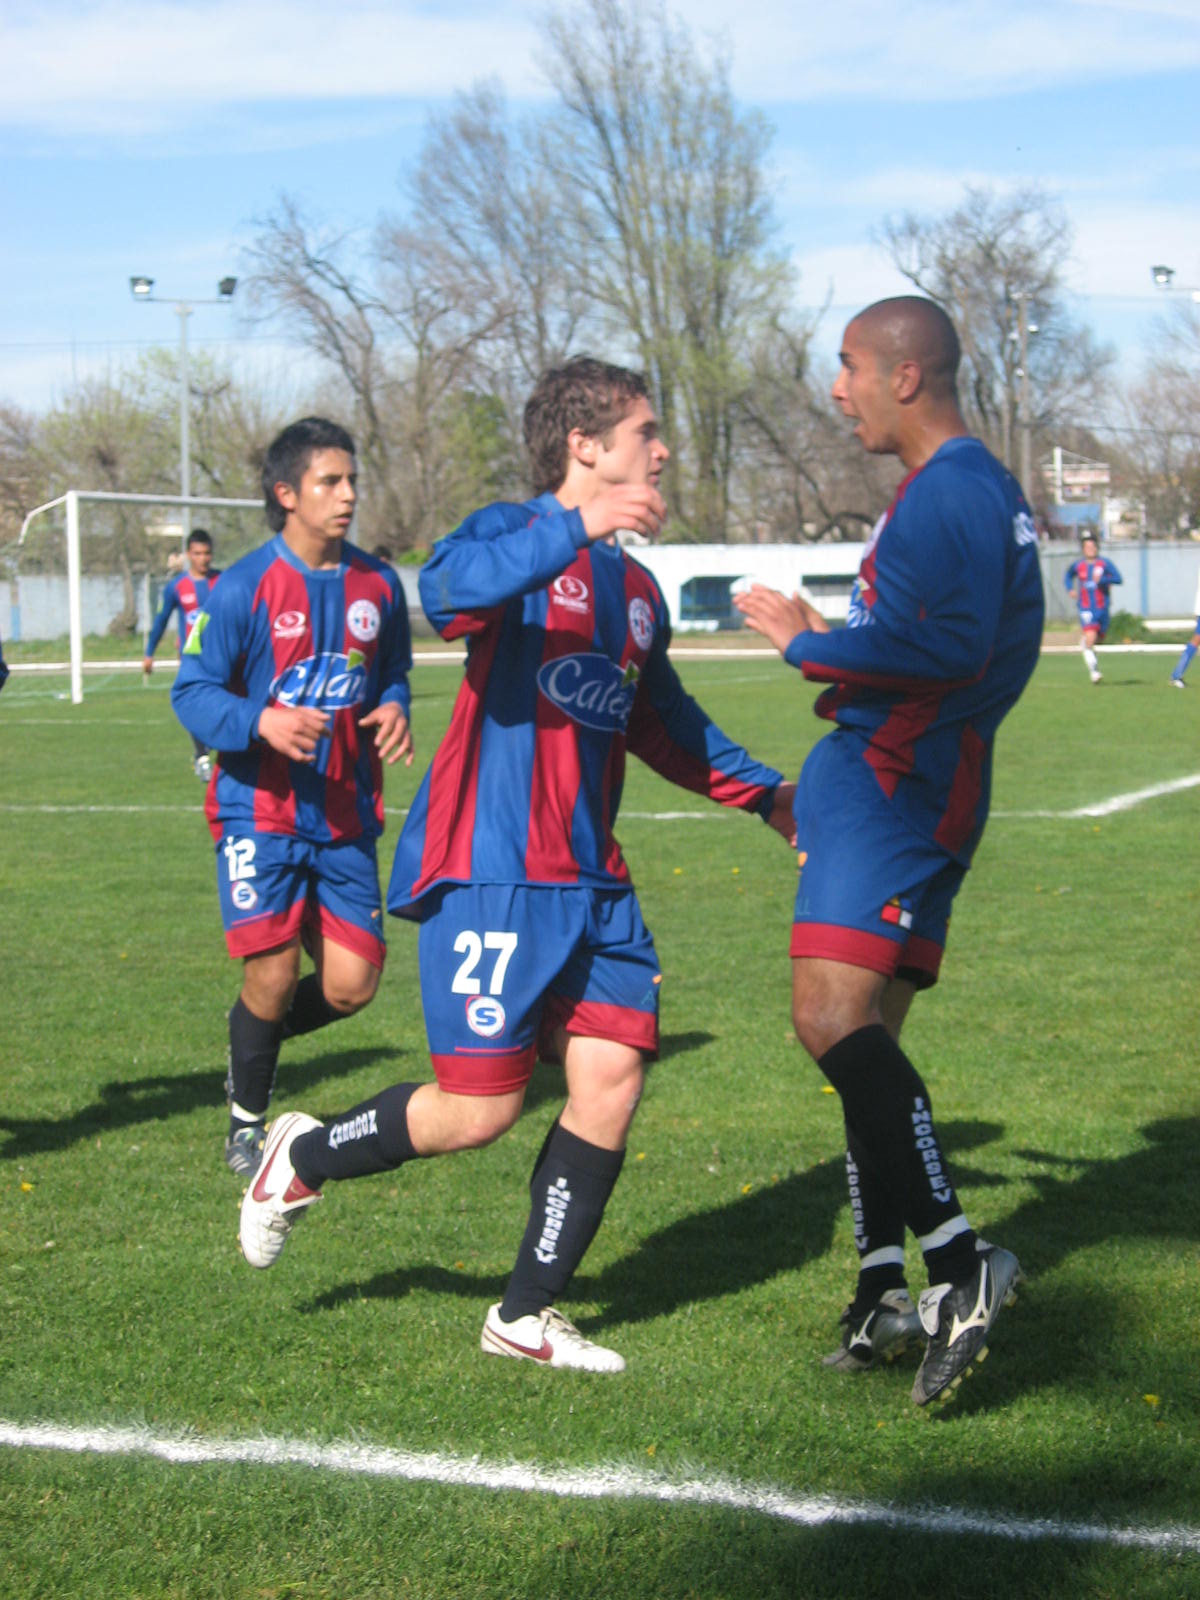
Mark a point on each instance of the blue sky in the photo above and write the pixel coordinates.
(146, 138)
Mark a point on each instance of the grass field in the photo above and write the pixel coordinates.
(331, 1429)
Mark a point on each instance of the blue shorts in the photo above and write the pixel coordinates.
(872, 893)
(503, 966)
(1094, 617)
(272, 884)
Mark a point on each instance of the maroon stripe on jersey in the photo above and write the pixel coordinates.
(557, 775)
(361, 585)
(892, 751)
(959, 818)
(454, 778)
(283, 594)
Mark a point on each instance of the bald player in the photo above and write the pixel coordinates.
(942, 635)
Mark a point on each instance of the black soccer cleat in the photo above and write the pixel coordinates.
(881, 1334)
(958, 1321)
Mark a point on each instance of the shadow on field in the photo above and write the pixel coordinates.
(129, 1102)
(700, 1257)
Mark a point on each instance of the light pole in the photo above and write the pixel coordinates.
(143, 289)
(1024, 328)
(1164, 278)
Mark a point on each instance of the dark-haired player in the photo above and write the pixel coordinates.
(1090, 582)
(530, 931)
(297, 675)
(187, 592)
(943, 633)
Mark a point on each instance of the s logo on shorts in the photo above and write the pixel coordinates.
(244, 896)
(485, 1016)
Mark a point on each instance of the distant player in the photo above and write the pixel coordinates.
(530, 931)
(3, 668)
(187, 592)
(1089, 581)
(943, 633)
(297, 675)
(1190, 648)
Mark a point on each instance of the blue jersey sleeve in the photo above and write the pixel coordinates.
(169, 603)
(939, 600)
(395, 655)
(675, 736)
(1111, 575)
(499, 553)
(203, 696)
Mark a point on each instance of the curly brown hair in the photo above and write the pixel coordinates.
(586, 394)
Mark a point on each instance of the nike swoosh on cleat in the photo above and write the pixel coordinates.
(544, 1354)
(259, 1193)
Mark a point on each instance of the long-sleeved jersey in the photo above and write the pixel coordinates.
(566, 669)
(277, 632)
(184, 594)
(1092, 577)
(944, 629)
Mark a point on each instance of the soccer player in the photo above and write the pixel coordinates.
(1089, 581)
(530, 931)
(296, 673)
(1190, 648)
(186, 593)
(3, 668)
(943, 633)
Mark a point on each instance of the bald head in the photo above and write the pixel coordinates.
(911, 328)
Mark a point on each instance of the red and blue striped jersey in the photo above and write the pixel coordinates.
(1092, 577)
(566, 669)
(943, 633)
(184, 594)
(277, 632)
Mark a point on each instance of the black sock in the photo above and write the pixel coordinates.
(309, 1009)
(569, 1190)
(373, 1137)
(878, 1229)
(888, 1107)
(253, 1057)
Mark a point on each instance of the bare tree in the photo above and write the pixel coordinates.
(996, 263)
(1164, 436)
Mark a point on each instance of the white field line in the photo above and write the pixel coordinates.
(1102, 808)
(594, 1483)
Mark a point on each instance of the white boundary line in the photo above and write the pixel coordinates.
(1102, 808)
(595, 1483)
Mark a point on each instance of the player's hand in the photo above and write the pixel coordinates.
(393, 736)
(294, 731)
(625, 505)
(776, 617)
(147, 665)
(781, 818)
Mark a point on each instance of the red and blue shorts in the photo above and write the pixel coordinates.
(504, 966)
(872, 892)
(272, 885)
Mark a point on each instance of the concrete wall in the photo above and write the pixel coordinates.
(1160, 581)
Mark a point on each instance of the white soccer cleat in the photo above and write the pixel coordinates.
(547, 1338)
(276, 1198)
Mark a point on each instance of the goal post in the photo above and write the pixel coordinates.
(72, 501)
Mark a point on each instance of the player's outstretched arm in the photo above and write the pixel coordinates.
(778, 618)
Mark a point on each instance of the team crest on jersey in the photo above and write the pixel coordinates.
(485, 1016)
(641, 622)
(569, 591)
(362, 619)
(289, 624)
(329, 681)
(244, 896)
(590, 689)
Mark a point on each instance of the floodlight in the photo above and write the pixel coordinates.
(1162, 276)
(226, 287)
(140, 288)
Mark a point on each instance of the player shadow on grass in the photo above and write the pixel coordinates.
(129, 1102)
(702, 1256)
